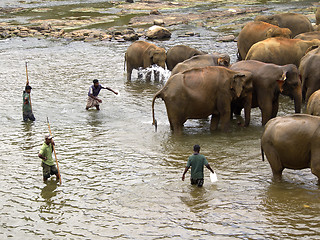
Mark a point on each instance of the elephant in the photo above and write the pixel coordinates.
(292, 142)
(200, 92)
(257, 31)
(297, 23)
(269, 80)
(215, 59)
(280, 51)
(144, 54)
(313, 106)
(310, 73)
(318, 16)
(308, 35)
(179, 53)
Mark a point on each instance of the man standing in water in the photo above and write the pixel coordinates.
(196, 162)
(26, 107)
(48, 165)
(94, 90)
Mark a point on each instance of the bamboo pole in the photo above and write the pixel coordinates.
(54, 150)
(28, 84)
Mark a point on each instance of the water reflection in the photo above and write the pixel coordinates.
(48, 191)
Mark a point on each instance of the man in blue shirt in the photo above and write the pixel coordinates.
(94, 90)
(196, 162)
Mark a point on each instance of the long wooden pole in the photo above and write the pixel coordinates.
(54, 150)
(28, 84)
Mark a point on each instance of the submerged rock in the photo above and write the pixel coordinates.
(157, 32)
(228, 38)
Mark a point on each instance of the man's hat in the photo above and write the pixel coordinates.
(28, 87)
(48, 136)
(95, 80)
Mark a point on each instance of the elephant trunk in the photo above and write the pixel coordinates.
(297, 97)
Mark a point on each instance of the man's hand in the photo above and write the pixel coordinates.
(116, 93)
(99, 100)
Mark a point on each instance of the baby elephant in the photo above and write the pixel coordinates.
(144, 54)
(313, 106)
(292, 142)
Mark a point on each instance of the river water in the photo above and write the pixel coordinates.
(120, 178)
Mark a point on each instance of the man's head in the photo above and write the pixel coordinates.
(28, 89)
(48, 138)
(96, 82)
(196, 148)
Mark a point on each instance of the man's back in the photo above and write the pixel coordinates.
(197, 161)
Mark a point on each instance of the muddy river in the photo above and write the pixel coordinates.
(120, 178)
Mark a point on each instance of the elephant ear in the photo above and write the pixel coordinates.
(151, 53)
(270, 33)
(237, 83)
(282, 80)
(311, 48)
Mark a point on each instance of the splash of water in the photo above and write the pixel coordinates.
(156, 73)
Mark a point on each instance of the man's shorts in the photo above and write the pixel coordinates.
(92, 103)
(28, 115)
(198, 182)
(47, 170)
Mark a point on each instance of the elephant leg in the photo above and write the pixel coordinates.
(274, 162)
(148, 76)
(129, 72)
(275, 108)
(215, 118)
(156, 75)
(266, 112)
(225, 121)
(315, 163)
(308, 94)
(140, 75)
(224, 108)
(247, 110)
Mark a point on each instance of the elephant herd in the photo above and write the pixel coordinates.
(277, 54)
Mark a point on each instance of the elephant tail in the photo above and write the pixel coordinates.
(262, 154)
(157, 95)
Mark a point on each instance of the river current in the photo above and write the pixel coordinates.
(120, 178)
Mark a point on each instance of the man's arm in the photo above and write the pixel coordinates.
(95, 98)
(184, 173)
(208, 166)
(110, 90)
(42, 157)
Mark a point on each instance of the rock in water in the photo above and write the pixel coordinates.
(157, 32)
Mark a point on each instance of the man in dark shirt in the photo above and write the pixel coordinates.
(94, 90)
(196, 162)
(26, 107)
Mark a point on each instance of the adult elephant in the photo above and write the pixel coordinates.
(297, 23)
(215, 59)
(308, 35)
(292, 142)
(310, 73)
(179, 53)
(143, 54)
(269, 80)
(280, 51)
(313, 106)
(200, 92)
(257, 31)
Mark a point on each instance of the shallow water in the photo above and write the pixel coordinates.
(120, 178)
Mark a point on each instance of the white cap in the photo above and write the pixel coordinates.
(48, 136)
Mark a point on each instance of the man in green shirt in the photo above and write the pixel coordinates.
(26, 107)
(48, 165)
(196, 162)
